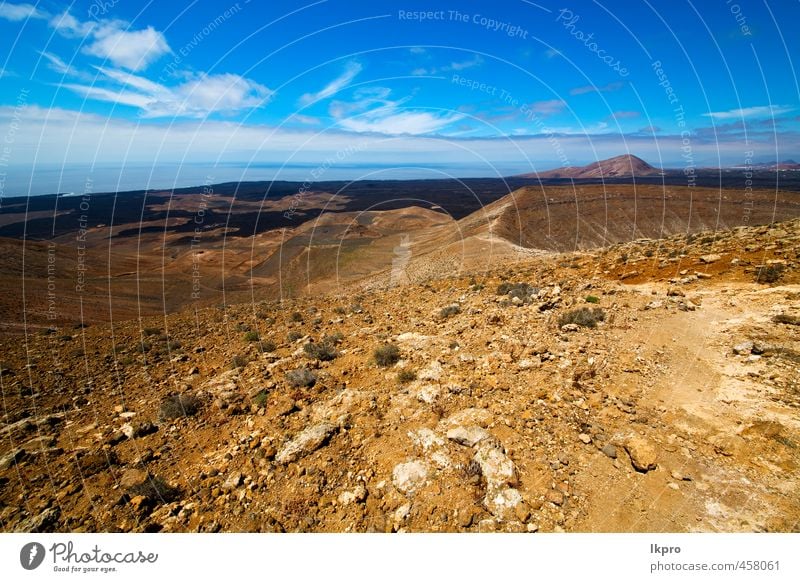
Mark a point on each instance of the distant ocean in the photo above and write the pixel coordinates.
(78, 180)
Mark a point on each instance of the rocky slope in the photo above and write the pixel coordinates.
(646, 386)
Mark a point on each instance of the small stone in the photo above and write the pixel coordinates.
(232, 482)
(585, 438)
(743, 349)
(570, 327)
(708, 259)
(610, 451)
(531, 528)
(673, 486)
(642, 452)
(555, 497)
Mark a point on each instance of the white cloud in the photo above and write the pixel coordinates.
(399, 123)
(475, 61)
(57, 64)
(17, 12)
(758, 111)
(199, 96)
(134, 50)
(351, 70)
(69, 26)
(548, 107)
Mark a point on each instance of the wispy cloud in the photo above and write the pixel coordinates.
(352, 69)
(199, 96)
(475, 61)
(615, 86)
(17, 12)
(57, 64)
(758, 111)
(617, 115)
(548, 107)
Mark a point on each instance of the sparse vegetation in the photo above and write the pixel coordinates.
(323, 351)
(268, 346)
(296, 316)
(386, 355)
(592, 299)
(405, 376)
(239, 361)
(148, 331)
(523, 291)
(301, 378)
(251, 336)
(334, 338)
(339, 310)
(770, 273)
(293, 336)
(155, 490)
(584, 317)
(260, 399)
(178, 405)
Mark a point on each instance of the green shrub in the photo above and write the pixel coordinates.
(268, 346)
(293, 336)
(523, 291)
(296, 316)
(260, 399)
(334, 338)
(251, 336)
(592, 299)
(386, 355)
(239, 361)
(323, 351)
(770, 273)
(583, 316)
(178, 405)
(405, 376)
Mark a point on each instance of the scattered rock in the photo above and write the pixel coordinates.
(469, 436)
(585, 438)
(232, 482)
(708, 259)
(496, 467)
(407, 477)
(502, 503)
(306, 442)
(40, 523)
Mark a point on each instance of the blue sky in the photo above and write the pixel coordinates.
(485, 87)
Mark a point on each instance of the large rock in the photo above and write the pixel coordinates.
(503, 503)
(306, 442)
(469, 436)
(642, 452)
(43, 522)
(9, 459)
(407, 477)
(496, 467)
(477, 416)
